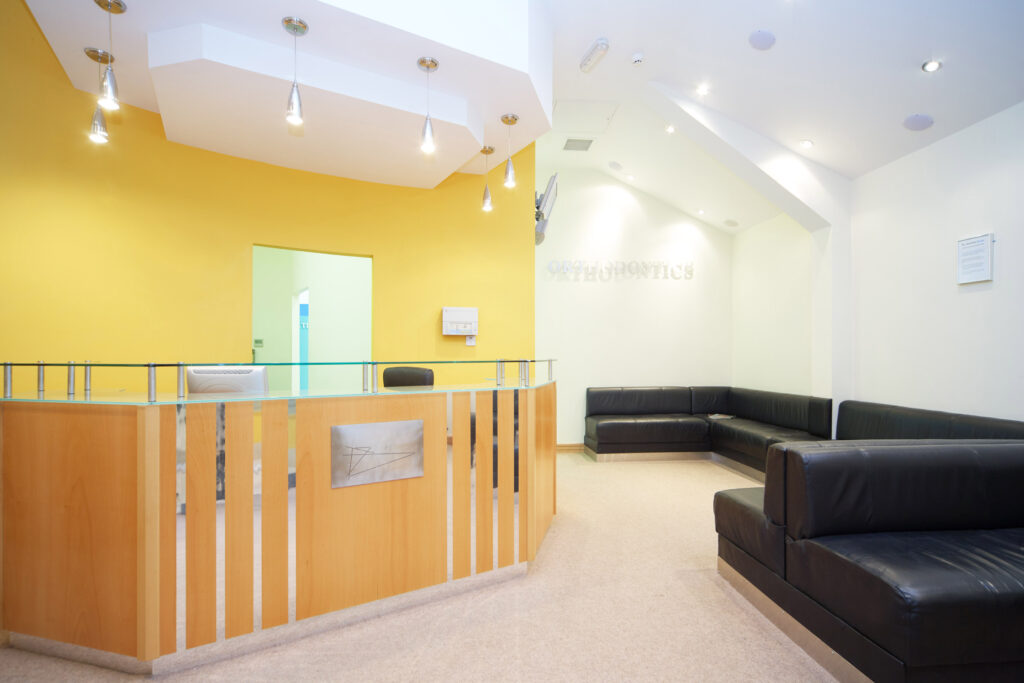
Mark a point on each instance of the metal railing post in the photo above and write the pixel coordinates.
(71, 379)
(551, 369)
(88, 381)
(151, 371)
(374, 368)
(366, 377)
(40, 379)
(181, 381)
(7, 380)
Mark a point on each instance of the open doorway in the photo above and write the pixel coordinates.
(311, 307)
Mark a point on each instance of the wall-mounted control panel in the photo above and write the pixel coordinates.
(460, 320)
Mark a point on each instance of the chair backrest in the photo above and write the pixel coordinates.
(404, 376)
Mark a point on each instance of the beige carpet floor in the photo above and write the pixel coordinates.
(623, 588)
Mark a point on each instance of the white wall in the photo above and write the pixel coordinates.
(625, 330)
(921, 339)
(771, 307)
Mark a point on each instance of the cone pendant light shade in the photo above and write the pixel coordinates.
(427, 145)
(510, 174)
(487, 199)
(108, 90)
(98, 129)
(294, 114)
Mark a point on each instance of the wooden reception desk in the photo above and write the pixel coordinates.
(93, 530)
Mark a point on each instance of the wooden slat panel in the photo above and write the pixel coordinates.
(460, 485)
(168, 532)
(547, 472)
(274, 513)
(506, 475)
(238, 519)
(362, 543)
(200, 524)
(484, 482)
(148, 530)
(527, 475)
(70, 524)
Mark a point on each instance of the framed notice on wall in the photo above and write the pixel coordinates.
(974, 259)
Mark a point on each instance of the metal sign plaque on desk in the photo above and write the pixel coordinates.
(376, 451)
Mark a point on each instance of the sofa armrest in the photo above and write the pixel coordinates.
(906, 487)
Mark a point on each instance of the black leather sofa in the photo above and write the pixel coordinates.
(906, 558)
(668, 419)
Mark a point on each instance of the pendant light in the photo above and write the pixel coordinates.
(108, 84)
(428, 64)
(486, 151)
(510, 172)
(98, 129)
(296, 27)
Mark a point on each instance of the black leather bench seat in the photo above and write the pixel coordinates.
(739, 517)
(653, 428)
(751, 439)
(931, 598)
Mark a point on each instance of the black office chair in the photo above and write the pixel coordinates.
(408, 377)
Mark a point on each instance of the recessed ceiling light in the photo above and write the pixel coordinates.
(918, 122)
(670, 129)
(807, 144)
(931, 66)
(630, 177)
(762, 40)
(703, 89)
(700, 212)
(594, 54)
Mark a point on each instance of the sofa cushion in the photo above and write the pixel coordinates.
(750, 437)
(929, 598)
(862, 420)
(903, 487)
(638, 400)
(640, 428)
(739, 518)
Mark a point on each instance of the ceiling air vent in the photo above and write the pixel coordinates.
(577, 145)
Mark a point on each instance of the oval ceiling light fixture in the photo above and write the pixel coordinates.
(598, 49)
(807, 144)
(670, 129)
(918, 122)
(931, 66)
(295, 27)
(615, 166)
(703, 89)
(700, 212)
(762, 40)
(427, 146)
(486, 150)
(510, 172)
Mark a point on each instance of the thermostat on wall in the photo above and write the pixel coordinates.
(459, 320)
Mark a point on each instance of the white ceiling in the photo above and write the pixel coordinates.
(670, 167)
(843, 73)
(219, 74)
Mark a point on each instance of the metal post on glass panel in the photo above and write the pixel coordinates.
(71, 380)
(181, 381)
(88, 381)
(366, 377)
(551, 369)
(40, 380)
(524, 373)
(373, 368)
(7, 380)
(151, 371)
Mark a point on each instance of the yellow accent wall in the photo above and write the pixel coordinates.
(141, 250)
